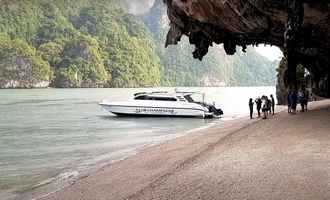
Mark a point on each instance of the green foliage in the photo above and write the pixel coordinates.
(19, 19)
(253, 70)
(20, 62)
(68, 77)
(94, 43)
(40, 69)
(242, 69)
(51, 52)
(83, 58)
(129, 52)
(87, 43)
(180, 69)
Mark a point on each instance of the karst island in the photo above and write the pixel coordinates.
(165, 100)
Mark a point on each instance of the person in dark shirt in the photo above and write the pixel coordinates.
(269, 105)
(251, 108)
(289, 102)
(272, 103)
(258, 103)
(264, 106)
(306, 100)
(304, 95)
(294, 99)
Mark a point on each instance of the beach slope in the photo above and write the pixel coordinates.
(284, 157)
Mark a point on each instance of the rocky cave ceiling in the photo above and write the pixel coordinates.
(299, 27)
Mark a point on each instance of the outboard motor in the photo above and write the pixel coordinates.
(215, 111)
(219, 112)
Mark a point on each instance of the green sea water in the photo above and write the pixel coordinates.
(51, 135)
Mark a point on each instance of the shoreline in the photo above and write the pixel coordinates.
(43, 191)
(142, 176)
(58, 183)
(92, 126)
(230, 123)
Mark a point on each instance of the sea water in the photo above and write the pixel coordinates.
(54, 135)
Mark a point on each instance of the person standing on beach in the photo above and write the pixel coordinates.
(305, 98)
(258, 102)
(251, 108)
(289, 101)
(294, 98)
(272, 103)
(269, 105)
(264, 106)
(301, 100)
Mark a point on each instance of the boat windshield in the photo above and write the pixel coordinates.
(155, 98)
(189, 98)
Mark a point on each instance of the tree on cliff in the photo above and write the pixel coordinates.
(178, 67)
(84, 43)
(96, 43)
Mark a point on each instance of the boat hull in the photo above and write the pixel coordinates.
(145, 111)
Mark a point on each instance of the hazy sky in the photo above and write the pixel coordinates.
(141, 6)
(138, 7)
(270, 52)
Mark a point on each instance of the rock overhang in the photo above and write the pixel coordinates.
(299, 27)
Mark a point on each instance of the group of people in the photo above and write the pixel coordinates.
(264, 104)
(294, 98)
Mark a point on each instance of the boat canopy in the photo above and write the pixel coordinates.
(166, 96)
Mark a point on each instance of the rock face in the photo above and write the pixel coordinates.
(216, 69)
(83, 43)
(299, 27)
(80, 55)
(20, 66)
(18, 73)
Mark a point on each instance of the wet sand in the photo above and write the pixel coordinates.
(284, 157)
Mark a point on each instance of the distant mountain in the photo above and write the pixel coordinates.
(137, 7)
(82, 43)
(98, 43)
(217, 68)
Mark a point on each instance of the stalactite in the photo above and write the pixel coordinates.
(300, 28)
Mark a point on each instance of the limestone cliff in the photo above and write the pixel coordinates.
(216, 69)
(299, 27)
(18, 73)
(83, 43)
(20, 66)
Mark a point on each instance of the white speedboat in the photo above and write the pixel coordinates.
(177, 104)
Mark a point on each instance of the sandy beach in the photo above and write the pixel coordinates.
(284, 157)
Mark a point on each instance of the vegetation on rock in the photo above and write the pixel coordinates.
(83, 44)
(178, 67)
(20, 64)
(96, 43)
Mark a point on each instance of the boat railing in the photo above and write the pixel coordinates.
(159, 92)
(156, 92)
(191, 93)
(183, 92)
